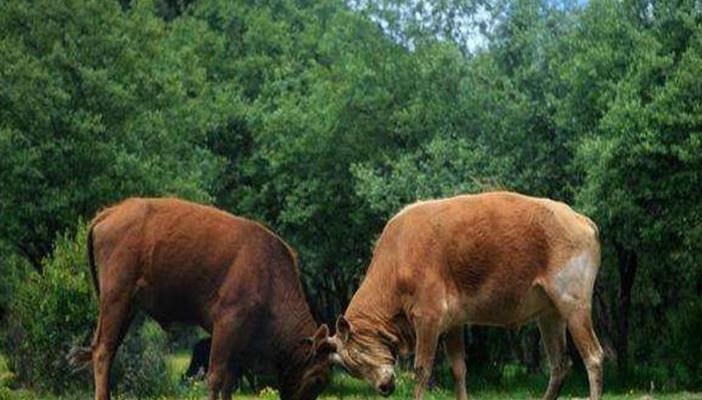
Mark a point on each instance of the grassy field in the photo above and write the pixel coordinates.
(344, 387)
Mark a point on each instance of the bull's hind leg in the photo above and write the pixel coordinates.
(570, 290)
(553, 329)
(580, 327)
(113, 323)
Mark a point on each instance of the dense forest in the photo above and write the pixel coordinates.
(324, 118)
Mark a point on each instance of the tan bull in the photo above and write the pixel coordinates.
(489, 259)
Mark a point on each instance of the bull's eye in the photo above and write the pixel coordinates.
(356, 355)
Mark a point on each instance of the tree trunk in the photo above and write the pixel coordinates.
(602, 313)
(628, 264)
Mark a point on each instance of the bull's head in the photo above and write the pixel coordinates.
(365, 355)
(305, 381)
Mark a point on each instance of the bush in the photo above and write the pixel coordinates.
(140, 367)
(685, 346)
(53, 311)
(13, 269)
(48, 314)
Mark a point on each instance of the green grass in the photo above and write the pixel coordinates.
(514, 386)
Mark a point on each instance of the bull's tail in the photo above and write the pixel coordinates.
(81, 357)
(91, 257)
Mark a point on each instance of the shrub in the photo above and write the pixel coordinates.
(140, 367)
(268, 393)
(51, 312)
(13, 269)
(685, 346)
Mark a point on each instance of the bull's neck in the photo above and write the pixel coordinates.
(376, 307)
(372, 305)
(293, 323)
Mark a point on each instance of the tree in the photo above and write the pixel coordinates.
(98, 107)
(642, 171)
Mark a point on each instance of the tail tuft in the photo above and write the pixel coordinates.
(80, 358)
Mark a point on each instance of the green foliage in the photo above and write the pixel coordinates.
(441, 168)
(642, 174)
(49, 314)
(140, 366)
(100, 107)
(684, 350)
(14, 269)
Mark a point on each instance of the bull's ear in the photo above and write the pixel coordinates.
(343, 328)
(319, 341)
(320, 335)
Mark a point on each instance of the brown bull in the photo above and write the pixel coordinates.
(185, 262)
(489, 259)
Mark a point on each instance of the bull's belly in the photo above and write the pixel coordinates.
(511, 310)
(172, 306)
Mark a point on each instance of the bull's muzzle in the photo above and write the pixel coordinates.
(387, 388)
(386, 384)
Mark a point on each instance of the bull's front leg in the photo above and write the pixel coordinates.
(427, 331)
(456, 354)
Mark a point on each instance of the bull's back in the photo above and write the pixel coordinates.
(179, 256)
(491, 250)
